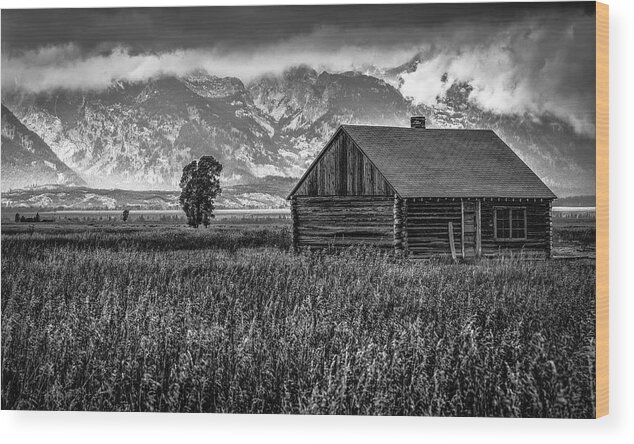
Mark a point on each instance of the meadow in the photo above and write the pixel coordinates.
(228, 319)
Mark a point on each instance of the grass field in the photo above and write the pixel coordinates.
(229, 320)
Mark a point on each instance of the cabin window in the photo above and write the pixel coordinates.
(509, 223)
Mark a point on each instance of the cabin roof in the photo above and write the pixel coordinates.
(445, 162)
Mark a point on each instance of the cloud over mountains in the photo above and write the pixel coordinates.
(535, 61)
(514, 71)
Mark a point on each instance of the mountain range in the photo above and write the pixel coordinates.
(267, 194)
(27, 159)
(139, 136)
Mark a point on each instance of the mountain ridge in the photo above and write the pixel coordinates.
(139, 135)
(61, 197)
(27, 159)
(261, 196)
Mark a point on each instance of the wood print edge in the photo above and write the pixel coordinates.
(602, 210)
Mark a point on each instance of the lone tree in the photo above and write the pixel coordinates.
(17, 217)
(200, 184)
(125, 215)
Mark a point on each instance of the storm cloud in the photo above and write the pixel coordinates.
(530, 67)
(524, 59)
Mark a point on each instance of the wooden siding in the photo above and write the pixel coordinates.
(342, 221)
(343, 170)
(425, 229)
(427, 225)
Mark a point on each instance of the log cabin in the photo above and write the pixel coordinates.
(423, 193)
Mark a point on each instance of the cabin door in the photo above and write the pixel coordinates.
(471, 234)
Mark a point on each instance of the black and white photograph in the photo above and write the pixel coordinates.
(383, 209)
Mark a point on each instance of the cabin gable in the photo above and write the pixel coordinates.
(342, 169)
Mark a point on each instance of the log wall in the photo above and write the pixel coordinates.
(342, 221)
(538, 229)
(427, 227)
(398, 223)
(411, 226)
(343, 170)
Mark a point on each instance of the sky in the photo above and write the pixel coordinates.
(520, 58)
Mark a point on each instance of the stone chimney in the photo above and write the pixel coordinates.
(418, 122)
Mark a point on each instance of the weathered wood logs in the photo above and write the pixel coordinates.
(342, 221)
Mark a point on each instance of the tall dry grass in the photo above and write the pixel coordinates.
(231, 321)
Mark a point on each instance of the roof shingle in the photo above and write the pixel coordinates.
(447, 162)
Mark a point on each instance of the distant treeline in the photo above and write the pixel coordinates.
(36, 218)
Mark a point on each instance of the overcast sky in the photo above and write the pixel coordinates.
(519, 57)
